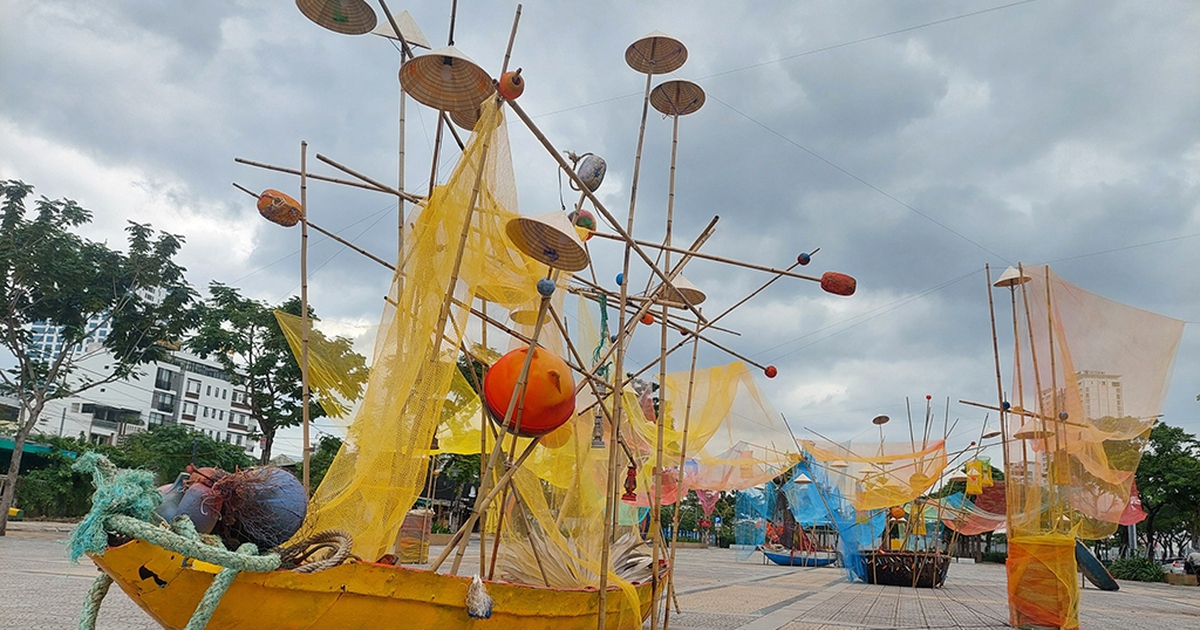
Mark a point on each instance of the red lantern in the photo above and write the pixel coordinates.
(838, 283)
(278, 207)
(630, 485)
(511, 85)
(549, 399)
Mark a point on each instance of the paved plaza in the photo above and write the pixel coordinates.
(41, 590)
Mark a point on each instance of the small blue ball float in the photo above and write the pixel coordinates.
(613, 339)
(804, 258)
(1006, 405)
(545, 287)
(620, 279)
(1062, 415)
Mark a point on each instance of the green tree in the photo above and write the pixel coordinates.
(1168, 477)
(49, 273)
(167, 449)
(322, 457)
(245, 338)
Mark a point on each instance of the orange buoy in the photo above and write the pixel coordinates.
(511, 85)
(838, 283)
(647, 318)
(549, 399)
(898, 512)
(278, 207)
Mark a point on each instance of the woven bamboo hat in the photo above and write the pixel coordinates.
(549, 238)
(656, 53)
(446, 79)
(348, 17)
(465, 118)
(677, 98)
(1011, 278)
(1033, 430)
(684, 287)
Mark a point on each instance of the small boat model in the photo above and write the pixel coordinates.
(917, 569)
(351, 596)
(792, 558)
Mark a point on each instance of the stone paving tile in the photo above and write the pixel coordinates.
(41, 590)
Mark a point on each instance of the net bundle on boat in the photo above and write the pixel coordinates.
(1090, 379)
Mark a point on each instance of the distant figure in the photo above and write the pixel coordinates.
(1192, 564)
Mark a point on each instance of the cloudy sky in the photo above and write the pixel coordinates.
(913, 142)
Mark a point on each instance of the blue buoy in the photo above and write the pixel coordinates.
(1006, 405)
(613, 339)
(545, 287)
(620, 279)
(804, 258)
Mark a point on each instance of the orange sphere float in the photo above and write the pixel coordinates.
(897, 512)
(279, 207)
(511, 85)
(647, 318)
(549, 399)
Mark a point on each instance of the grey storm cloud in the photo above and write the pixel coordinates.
(911, 142)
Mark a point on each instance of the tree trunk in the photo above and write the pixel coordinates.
(14, 467)
(1150, 535)
(268, 442)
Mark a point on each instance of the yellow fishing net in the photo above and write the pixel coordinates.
(381, 468)
(336, 375)
(1090, 378)
(874, 476)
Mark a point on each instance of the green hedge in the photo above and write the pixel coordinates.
(1138, 569)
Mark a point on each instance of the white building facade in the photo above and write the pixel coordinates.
(183, 389)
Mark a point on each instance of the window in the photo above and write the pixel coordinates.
(163, 401)
(165, 379)
(74, 407)
(224, 394)
(208, 390)
(206, 412)
(189, 409)
(193, 386)
(221, 415)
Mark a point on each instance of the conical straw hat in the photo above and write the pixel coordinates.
(656, 53)
(446, 79)
(408, 28)
(677, 98)
(683, 286)
(348, 17)
(1011, 278)
(465, 118)
(1033, 430)
(549, 238)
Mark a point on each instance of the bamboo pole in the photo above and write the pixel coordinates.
(482, 504)
(405, 52)
(633, 245)
(512, 35)
(987, 272)
(687, 421)
(714, 258)
(304, 321)
(333, 180)
(610, 505)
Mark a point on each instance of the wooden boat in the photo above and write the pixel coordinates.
(801, 558)
(352, 596)
(906, 568)
(1093, 570)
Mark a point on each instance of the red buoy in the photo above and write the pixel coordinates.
(549, 399)
(770, 371)
(647, 318)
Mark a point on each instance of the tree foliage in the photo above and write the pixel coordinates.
(56, 491)
(318, 464)
(50, 273)
(243, 335)
(1168, 482)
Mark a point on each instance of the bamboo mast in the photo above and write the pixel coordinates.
(304, 321)
(687, 421)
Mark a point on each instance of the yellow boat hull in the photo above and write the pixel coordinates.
(168, 586)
